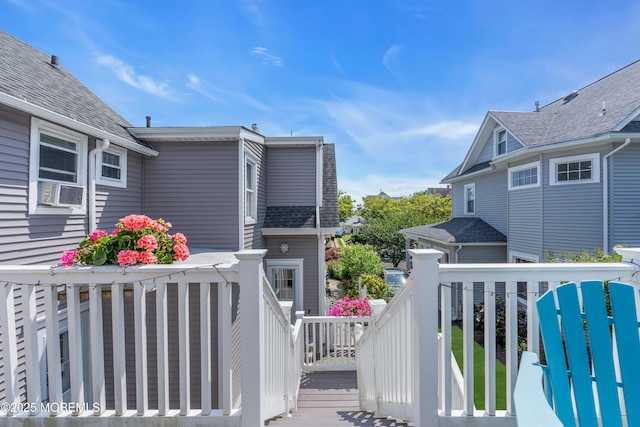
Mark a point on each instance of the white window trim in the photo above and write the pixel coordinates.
(522, 255)
(475, 199)
(102, 180)
(37, 126)
(496, 131)
(595, 169)
(297, 264)
(250, 219)
(520, 168)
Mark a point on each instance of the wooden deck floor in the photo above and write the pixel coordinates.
(330, 399)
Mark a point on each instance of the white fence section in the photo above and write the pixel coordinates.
(329, 343)
(140, 344)
(282, 356)
(401, 375)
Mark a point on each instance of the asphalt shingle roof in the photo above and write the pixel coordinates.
(290, 217)
(459, 230)
(329, 211)
(26, 73)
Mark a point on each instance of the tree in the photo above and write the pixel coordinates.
(386, 217)
(345, 206)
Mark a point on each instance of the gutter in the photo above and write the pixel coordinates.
(101, 145)
(22, 105)
(605, 196)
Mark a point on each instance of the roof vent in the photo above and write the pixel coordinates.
(255, 128)
(148, 121)
(537, 106)
(54, 60)
(570, 96)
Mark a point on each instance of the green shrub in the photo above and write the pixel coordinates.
(360, 259)
(377, 288)
(335, 269)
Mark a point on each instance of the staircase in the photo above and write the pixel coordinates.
(330, 399)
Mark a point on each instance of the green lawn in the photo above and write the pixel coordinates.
(478, 374)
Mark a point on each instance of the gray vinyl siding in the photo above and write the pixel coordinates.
(624, 196)
(194, 185)
(487, 151)
(291, 176)
(113, 203)
(572, 214)
(252, 234)
(305, 247)
(491, 199)
(525, 216)
(512, 143)
(482, 254)
(24, 238)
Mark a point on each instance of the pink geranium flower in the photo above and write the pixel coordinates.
(97, 234)
(180, 238)
(147, 258)
(181, 251)
(148, 242)
(68, 257)
(351, 307)
(127, 258)
(135, 222)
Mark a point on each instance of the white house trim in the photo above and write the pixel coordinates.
(519, 168)
(297, 231)
(595, 169)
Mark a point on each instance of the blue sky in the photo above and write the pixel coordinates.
(400, 86)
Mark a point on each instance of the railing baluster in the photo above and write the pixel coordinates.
(162, 338)
(140, 318)
(53, 347)
(97, 348)
(119, 355)
(445, 310)
(9, 344)
(75, 344)
(205, 347)
(184, 351)
(490, 347)
(32, 366)
(467, 346)
(511, 326)
(533, 323)
(225, 383)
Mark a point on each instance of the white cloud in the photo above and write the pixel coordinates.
(265, 57)
(451, 129)
(127, 74)
(213, 92)
(389, 56)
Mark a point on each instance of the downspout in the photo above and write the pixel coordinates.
(605, 196)
(101, 145)
(458, 250)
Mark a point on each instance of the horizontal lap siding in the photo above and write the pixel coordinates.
(487, 151)
(491, 199)
(525, 219)
(291, 176)
(252, 233)
(572, 214)
(624, 196)
(113, 203)
(195, 187)
(300, 247)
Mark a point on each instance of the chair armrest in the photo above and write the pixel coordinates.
(532, 407)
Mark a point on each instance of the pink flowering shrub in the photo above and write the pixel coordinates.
(136, 239)
(347, 307)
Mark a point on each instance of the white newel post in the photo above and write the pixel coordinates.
(250, 277)
(425, 275)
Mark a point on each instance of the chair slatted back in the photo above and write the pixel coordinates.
(564, 316)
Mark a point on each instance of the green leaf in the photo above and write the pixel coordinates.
(100, 257)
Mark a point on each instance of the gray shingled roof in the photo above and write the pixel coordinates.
(329, 211)
(580, 116)
(459, 230)
(290, 217)
(26, 73)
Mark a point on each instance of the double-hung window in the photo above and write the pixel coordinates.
(500, 138)
(250, 200)
(112, 167)
(524, 176)
(470, 199)
(57, 173)
(574, 169)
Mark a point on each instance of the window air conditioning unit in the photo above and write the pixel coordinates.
(57, 194)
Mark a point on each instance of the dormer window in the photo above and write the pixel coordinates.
(500, 138)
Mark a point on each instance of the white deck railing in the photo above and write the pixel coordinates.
(147, 332)
(329, 343)
(409, 380)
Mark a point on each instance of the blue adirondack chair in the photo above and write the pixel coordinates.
(576, 385)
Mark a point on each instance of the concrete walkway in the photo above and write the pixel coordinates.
(330, 399)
